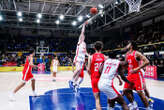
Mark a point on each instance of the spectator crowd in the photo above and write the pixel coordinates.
(148, 40)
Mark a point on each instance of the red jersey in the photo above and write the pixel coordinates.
(132, 62)
(27, 66)
(27, 71)
(136, 78)
(97, 60)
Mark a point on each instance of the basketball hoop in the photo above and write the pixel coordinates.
(42, 50)
(134, 5)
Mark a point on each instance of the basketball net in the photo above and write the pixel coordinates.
(134, 5)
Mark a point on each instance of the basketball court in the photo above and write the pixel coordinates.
(58, 96)
(52, 28)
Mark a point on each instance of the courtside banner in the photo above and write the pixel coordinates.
(15, 68)
(151, 72)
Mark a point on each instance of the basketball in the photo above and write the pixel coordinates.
(93, 10)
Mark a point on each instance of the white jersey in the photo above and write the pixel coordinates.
(55, 65)
(109, 71)
(80, 52)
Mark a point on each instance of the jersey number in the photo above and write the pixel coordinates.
(107, 69)
(97, 65)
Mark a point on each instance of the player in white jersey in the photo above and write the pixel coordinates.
(54, 65)
(109, 70)
(79, 58)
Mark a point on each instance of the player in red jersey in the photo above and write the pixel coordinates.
(94, 63)
(27, 74)
(135, 76)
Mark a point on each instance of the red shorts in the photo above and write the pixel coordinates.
(94, 82)
(82, 73)
(137, 81)
(27, 76)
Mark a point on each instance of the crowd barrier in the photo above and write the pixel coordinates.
(151, 71)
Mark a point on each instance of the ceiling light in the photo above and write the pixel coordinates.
(1, 18)
(38, 20)
(39, 15)
(20, 19)
(19, 13)
(100, 6)
(61, 17)
(80, 18)
(57, 22)
(74, 23)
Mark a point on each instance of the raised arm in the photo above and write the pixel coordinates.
(82, 36)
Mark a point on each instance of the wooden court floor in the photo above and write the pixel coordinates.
(44, 83)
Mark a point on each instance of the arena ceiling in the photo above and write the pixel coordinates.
(51, 10)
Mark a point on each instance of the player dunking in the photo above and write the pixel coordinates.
(54, 64)
(27, 74)
(110, 69)
(79, 58)
(135, 75)
(94, 63)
